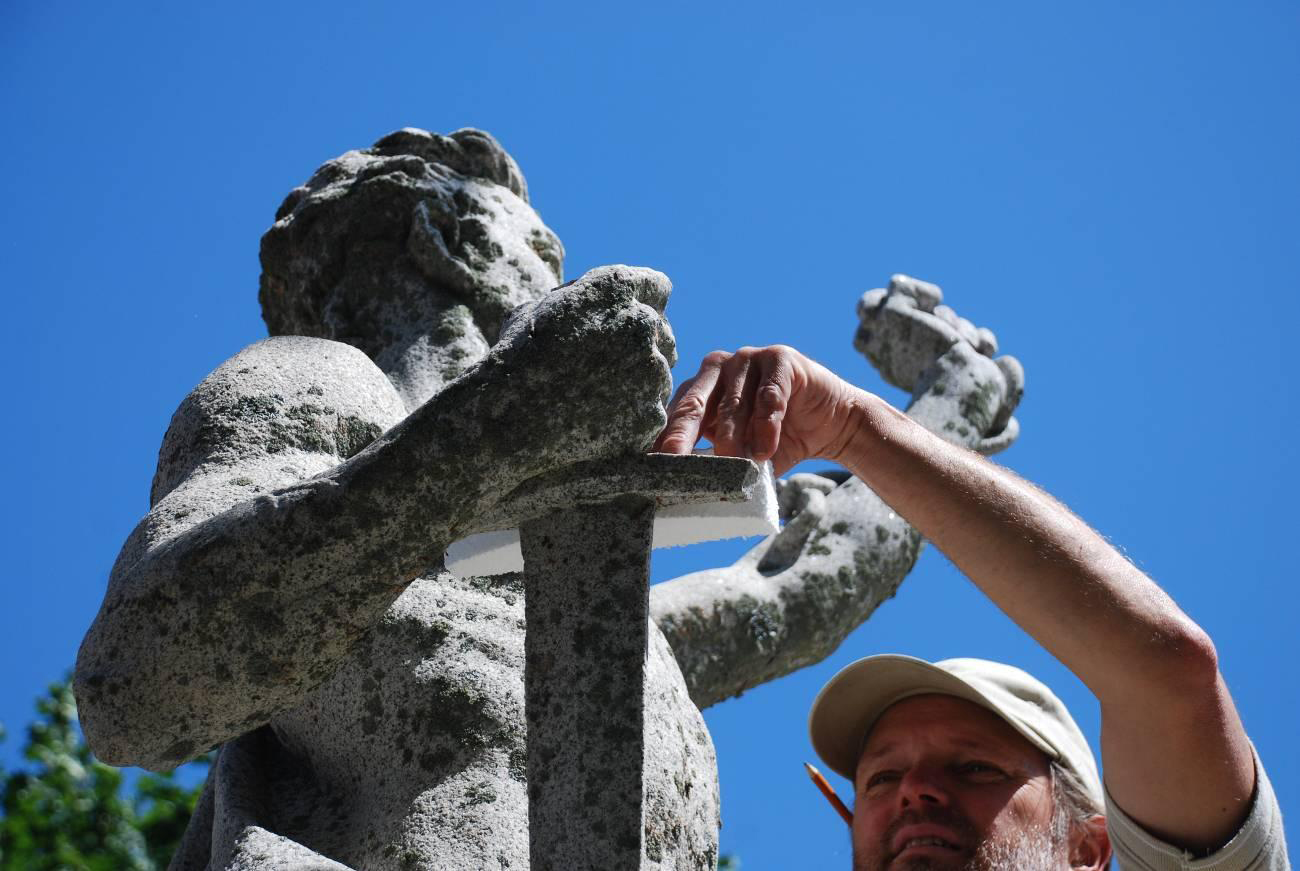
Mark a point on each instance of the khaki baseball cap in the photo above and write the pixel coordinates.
(851, 702)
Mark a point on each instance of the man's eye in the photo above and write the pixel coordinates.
(982, 771)
(880, 778)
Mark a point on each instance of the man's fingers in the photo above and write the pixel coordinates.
(734, 392)
(771, 399)
(685, 414)
(737, 401)
(689, 408)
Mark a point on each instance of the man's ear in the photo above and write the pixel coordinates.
(1090, 845)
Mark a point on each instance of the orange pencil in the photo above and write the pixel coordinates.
(829, 793)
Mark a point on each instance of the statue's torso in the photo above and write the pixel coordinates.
(413, 754)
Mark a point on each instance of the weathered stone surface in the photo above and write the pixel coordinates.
(587, 580)
(284, 596)
(926, 348)
(792, 599)
(230, 559)
(355, 252)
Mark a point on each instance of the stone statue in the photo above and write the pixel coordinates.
(285, 596)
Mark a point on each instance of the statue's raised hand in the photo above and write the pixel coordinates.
(959, 389)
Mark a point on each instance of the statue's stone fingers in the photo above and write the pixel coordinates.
(964, 328)
(790, 492)
(666, 340)
(789, 543)
(968, 331)
(870, 302)
(926, 295)
(1015, 376)
(988, 342)
(901, 340)
(1000, 441)
(1013, 386)
(652, 288)
(648, 286)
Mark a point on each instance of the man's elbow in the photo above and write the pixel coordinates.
(1185, 657)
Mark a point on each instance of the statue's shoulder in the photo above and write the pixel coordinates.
(280, 410)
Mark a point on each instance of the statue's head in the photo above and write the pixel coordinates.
(413, 250)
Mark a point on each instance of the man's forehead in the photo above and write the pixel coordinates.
(943, 720)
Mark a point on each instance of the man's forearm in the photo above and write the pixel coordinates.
(1151, 667)
(1050, 572)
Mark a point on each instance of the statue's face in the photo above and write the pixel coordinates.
(510, 256)
(414, 251)
(943, 783)
(376, 248)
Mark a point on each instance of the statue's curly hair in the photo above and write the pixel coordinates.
(346, 241)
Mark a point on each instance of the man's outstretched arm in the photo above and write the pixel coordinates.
(793, 598)
(1176, 756)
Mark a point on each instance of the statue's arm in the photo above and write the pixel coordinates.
(267, 554)
(264, 555)
(790, 601)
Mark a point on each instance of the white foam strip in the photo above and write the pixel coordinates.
(495, 553)
(680, 525)
(488, 553)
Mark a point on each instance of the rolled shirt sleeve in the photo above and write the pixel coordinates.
(1259, 845)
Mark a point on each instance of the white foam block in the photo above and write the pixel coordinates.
(495, 553)
(488, 553)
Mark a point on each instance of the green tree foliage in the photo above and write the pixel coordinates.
(68, 810)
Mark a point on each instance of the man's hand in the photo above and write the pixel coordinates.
(768, 403)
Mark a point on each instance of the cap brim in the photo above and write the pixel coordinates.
(849, 705)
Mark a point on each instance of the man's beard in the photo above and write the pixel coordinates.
(1027, 850)
(1035, 849)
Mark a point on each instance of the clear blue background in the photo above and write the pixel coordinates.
(1113, 188)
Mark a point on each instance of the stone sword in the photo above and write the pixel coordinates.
(586, 534)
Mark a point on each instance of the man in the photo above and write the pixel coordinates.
(964, 764)
(961, 757)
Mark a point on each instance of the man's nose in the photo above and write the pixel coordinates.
(921, 786)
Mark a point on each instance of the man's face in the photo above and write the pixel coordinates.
(943, 783)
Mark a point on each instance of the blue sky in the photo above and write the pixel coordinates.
(1112, 188)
